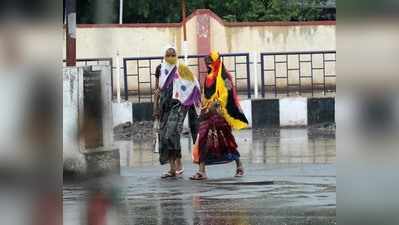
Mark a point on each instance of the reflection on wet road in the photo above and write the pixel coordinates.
(290, 179)
(256, 146)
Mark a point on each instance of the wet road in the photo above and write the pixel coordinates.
(300, 163)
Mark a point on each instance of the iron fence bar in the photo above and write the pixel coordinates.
(149, 62)
(141, 95)
(189, 56)
(233, 54)
(300, 71)
(324, 74)
(248, 77)
(199, 73)
(112, 77)
(286, 66)
(302, 53)
(327, 57)
(275, 75)
(125, 79)
(143, 58)
(235, 69)
(311, 72)
(262, 74)
(94, 59)
(138, 78)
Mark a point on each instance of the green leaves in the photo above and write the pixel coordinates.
(160, 11)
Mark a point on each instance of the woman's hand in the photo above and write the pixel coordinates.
(214, 107)
(229, 84)
(155, 115)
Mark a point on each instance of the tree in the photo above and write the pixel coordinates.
(157, 11)
(97, 11)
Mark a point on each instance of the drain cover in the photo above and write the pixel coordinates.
(241, 183)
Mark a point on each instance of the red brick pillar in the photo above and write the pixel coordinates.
(203, 40)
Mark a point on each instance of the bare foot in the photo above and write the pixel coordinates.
(199, 176)
(179, 167)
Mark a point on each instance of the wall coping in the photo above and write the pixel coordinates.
(214, 16)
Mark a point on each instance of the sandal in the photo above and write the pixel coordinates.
(179, 172)
(168, 175)
(198, 176)
(239, 172)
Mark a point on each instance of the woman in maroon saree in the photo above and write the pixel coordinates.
(220, 113)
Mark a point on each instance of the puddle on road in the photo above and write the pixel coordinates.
(264, 146)
(296, 191)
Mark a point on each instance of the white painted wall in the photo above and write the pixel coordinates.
(121, 113)
(72, 158)
(246, 106)
(107, 120)
(293, 111)
(97, 42)
(73, 145)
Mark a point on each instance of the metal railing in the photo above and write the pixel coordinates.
(281, 73)
(92, 61)
(97, 61)
(139, 73)
(298, 72)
